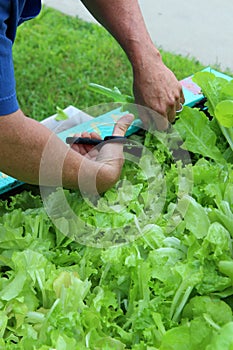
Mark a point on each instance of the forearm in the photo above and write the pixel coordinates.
(154, 84)
(124, 20)
(22, 143)
(33, 154)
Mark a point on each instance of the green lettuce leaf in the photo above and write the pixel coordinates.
(194, 129)
(219, 100)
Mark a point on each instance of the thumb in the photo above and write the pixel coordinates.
(122, 125)
(111, 151)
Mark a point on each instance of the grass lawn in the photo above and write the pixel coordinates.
(57, 56)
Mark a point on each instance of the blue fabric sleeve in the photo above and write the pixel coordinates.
(12, 13)
(8, 100)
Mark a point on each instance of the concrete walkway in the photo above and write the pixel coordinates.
(200, 28)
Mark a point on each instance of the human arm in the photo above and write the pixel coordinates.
(32, 153)
(154, 86)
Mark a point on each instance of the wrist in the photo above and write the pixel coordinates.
(143, 56)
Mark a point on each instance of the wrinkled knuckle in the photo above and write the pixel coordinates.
(121, 128)
(171, 102)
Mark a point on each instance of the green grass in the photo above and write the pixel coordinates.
(57, 56)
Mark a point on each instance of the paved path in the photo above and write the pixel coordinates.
(202, 29)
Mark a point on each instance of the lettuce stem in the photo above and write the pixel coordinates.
(228, 133)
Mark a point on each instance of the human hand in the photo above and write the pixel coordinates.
(86, 150)
(101, 167)
(156, 87)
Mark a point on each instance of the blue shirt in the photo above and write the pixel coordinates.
(12, 14)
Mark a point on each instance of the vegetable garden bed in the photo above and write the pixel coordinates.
(169, 289)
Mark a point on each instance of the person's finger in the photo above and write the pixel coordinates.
(175, 108)
(86, 148)
(111, 152)
(180, 101)
(179, 108)
(122, 125)
(93, 151)
(81, 148)
(85, 134)
(75, 146)
(94, 135)
(182, 98)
